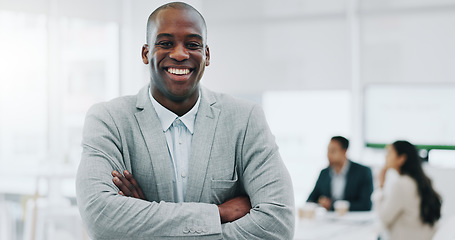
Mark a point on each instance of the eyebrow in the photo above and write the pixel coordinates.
(161, 35)
(195, 36)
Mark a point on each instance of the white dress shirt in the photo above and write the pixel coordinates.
(338, 181)
(179, 135)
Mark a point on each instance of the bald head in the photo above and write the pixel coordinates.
(173, 5)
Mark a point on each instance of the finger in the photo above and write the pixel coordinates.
(132, 192)
(133, 181)
(121, 193)
(126, 185)
(129, 184)
(115, 173)
(123, 188)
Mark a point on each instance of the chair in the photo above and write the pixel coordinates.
(52, 217)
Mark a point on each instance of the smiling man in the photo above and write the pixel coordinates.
(178, 161)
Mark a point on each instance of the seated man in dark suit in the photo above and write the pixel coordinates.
(343, 180)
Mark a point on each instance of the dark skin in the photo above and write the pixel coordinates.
(230, 210)
(177, 56)
(177, 42)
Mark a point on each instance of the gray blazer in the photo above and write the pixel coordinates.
(233, 153)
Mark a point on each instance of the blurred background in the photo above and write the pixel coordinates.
(374, 71)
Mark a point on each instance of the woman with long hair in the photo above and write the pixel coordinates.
(406, 202)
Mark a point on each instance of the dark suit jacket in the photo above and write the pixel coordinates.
(359, 186)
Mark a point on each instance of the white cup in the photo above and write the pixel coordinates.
(341, 207)
(308, 210)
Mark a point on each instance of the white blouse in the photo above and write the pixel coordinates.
(398, 208)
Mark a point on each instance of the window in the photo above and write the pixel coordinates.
(52, 70)
(23, 87)
(303, 123)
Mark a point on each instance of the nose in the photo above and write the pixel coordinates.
(179, 53)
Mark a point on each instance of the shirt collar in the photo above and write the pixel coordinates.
(344, 169)
(167, 117)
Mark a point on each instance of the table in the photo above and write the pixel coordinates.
(328, 225)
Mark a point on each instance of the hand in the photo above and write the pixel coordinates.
(127, 185)
(325, 202)
(382, 177)
(234, 209)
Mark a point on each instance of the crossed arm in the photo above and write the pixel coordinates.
(229, 211)
(109, 215)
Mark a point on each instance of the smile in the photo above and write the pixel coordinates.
(178, 71)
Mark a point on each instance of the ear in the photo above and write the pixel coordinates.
(207, 56)
(401, 159)
(144, 54)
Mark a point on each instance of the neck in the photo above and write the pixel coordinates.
(397, 169)
(338, 167)
(180, 108)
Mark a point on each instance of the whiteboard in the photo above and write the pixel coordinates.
(421, 114)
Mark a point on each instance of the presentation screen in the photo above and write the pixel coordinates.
(421, 114)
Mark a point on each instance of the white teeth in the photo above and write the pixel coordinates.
(178, 71)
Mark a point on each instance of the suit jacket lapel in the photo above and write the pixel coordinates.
(204, 133)
(328, 185)
(155, 140)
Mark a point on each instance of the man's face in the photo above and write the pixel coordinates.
(177, 54)
(335, 153)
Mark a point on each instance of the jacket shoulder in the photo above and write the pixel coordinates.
(359, 169)
(113, 107)
(359, 166)
(325, 172)
(230, 103)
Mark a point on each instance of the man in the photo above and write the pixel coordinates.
(186, 163)
(343, 180)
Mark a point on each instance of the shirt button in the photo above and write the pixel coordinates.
(180, 141)
(183, 174)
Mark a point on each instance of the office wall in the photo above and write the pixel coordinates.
(258, 46)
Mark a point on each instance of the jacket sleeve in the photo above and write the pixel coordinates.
(316, 193)
(390, 201)
(363, 202)
(108, 215)
(267, 183)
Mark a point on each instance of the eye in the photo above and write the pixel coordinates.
(193, 45)
(164, 44)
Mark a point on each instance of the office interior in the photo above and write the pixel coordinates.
(374, 71)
